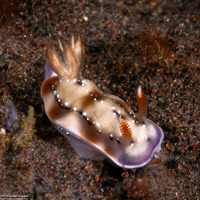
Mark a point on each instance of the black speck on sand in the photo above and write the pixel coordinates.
(150, 42)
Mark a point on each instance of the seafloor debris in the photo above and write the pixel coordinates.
(26, 132)
(156, 44)
(16, 139)
(9, 111)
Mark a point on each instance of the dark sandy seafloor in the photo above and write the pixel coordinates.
(153, 43)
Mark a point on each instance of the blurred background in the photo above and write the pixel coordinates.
(150, 42)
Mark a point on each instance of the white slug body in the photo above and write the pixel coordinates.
(97, 125)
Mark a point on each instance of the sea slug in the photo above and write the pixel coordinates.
(97, 125)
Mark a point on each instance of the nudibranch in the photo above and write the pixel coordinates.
(97, 125)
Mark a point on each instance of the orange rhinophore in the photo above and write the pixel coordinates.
(125, 129)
